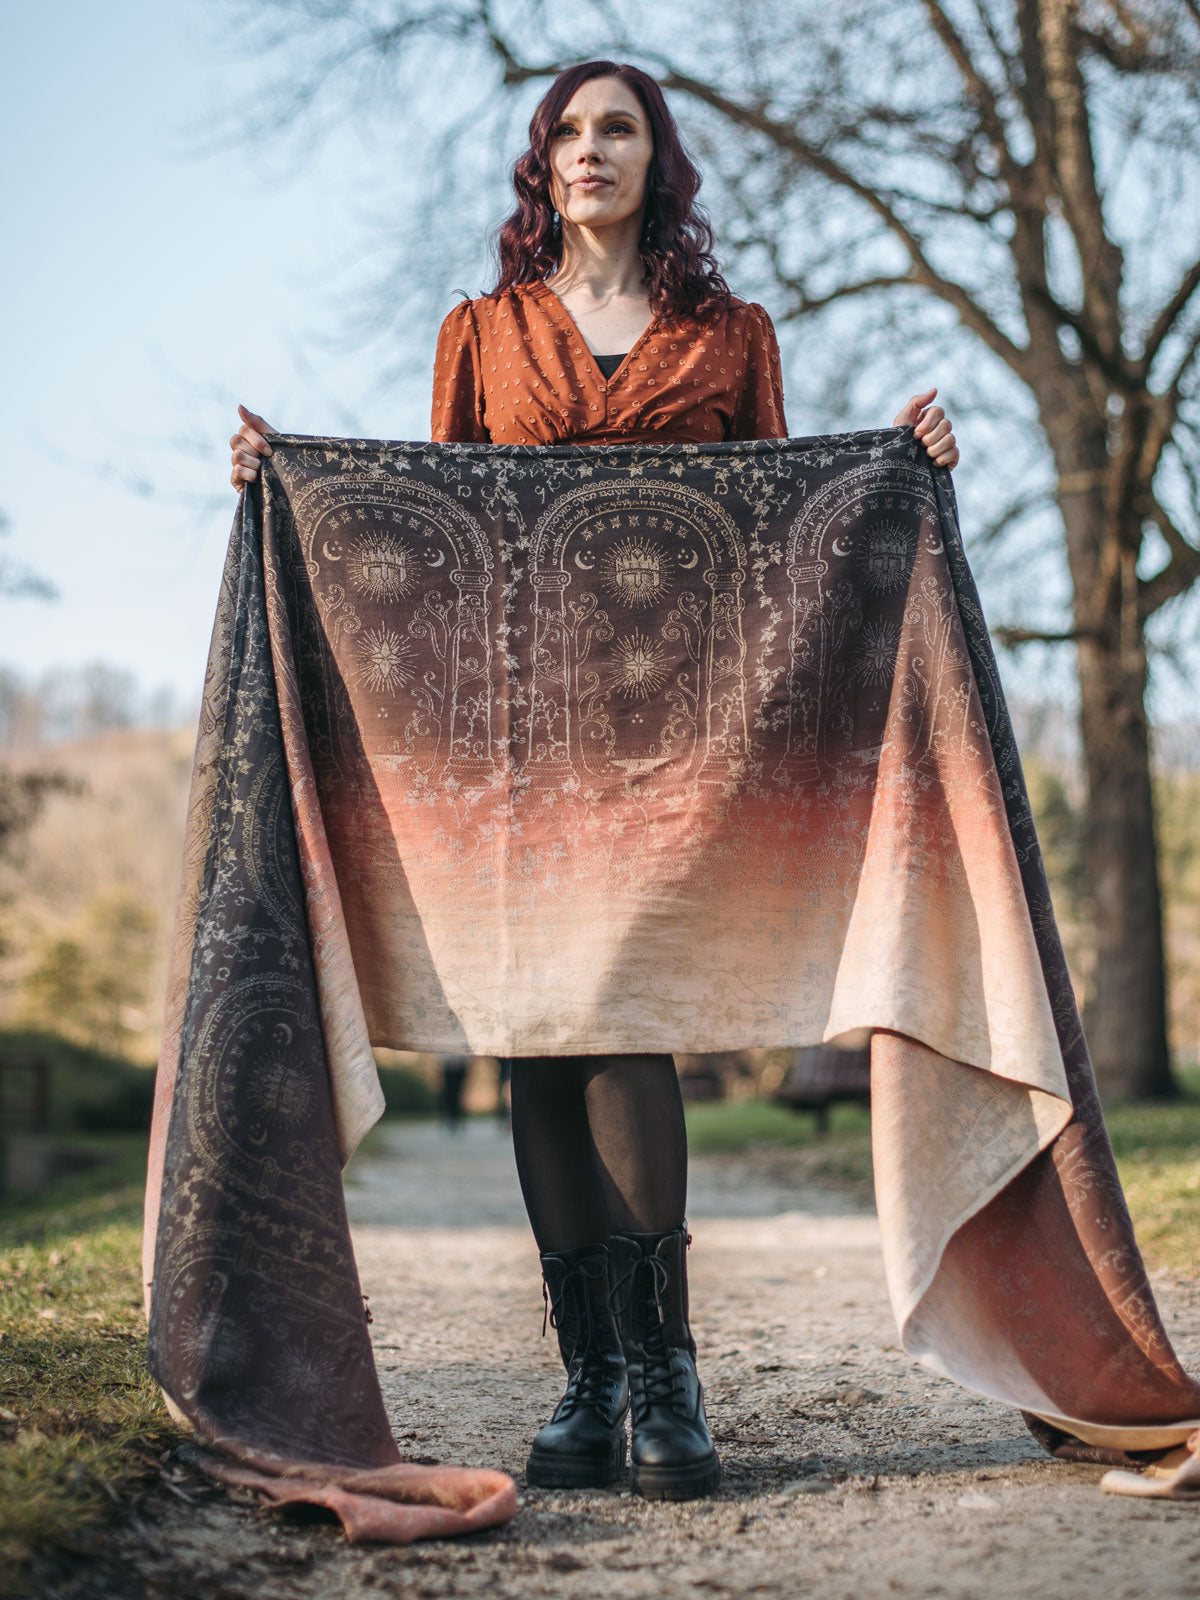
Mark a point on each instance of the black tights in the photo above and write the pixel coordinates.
(600, 1146)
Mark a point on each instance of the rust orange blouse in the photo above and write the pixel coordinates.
(516, 370)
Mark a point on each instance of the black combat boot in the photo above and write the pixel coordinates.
(672, 1454)
(583, 1444)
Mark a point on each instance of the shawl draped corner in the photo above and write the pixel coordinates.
(528, 750)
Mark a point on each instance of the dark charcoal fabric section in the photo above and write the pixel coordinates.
(258, 1327)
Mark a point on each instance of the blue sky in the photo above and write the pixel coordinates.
(144, 289)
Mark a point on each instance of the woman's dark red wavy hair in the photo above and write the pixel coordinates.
(676, 242)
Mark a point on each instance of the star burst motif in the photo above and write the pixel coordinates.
(305, 1371)
(635, 570)
(876, 655)
(384, 659)
(641, 670)
(381, 566)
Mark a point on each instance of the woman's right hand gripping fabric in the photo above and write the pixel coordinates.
(249, 445)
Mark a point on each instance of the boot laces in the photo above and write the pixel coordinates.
(587, 1379)
(658, 1378)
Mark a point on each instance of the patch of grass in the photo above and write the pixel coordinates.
(81, 1420)
(728, 1126)
(1158, 1156)
(841, 1157)
(107, 1183)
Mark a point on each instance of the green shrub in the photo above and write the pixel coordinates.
(127, 1110)
(89, 1088)
(85, 981)
(406, 1092)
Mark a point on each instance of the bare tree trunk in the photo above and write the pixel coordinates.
(1125, 1013)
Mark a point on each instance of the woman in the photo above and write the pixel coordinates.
(607, 252)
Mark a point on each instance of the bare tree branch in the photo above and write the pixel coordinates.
(1011, 637)
(992, 530)
(787, 138)
(990, 118)
(1115, 371)
(803, 303)
(1163, 411)
(1166, 320)
(1180, 572)
(1100, 259)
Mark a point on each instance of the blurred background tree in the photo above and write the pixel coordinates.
(21, 793)
(1006, 185)
(90, 984)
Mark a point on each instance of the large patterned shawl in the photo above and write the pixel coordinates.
(535, 750)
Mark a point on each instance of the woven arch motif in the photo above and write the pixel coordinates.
(378, 553)
(856, 538)
(637, 599)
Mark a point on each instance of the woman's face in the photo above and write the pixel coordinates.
(603, 132)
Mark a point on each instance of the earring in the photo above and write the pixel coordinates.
(555, 222)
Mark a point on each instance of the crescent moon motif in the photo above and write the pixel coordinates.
(842, 547)
(584, 566)
(434, 558)
(690, 563)
(333, 550)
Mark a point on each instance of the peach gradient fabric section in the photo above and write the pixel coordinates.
(538, 750)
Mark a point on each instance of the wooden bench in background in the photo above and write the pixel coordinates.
(824, 1075)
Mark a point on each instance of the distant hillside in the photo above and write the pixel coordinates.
(123, 830)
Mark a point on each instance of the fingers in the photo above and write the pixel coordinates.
(935, 430)
(253, 430)
(942, 446)
(248, 445)
(251, 439)
(928, 420)
(245, 468)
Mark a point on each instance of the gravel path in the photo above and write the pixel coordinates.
(848, 1470)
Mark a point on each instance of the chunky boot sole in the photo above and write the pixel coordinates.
(546, 1470)
(677, 1483)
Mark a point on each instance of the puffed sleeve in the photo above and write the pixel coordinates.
(458, 381)
(759, 413)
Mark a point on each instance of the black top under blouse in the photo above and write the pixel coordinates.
(609, 364)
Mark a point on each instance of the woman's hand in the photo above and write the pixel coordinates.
(249, 446)
(932, 426)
